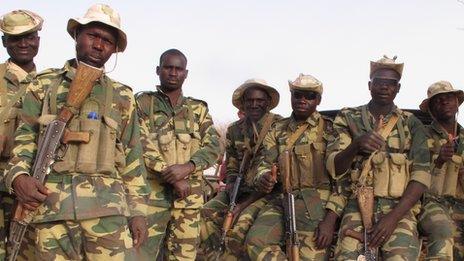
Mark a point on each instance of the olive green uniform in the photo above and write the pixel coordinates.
(442, 216)
(93, 187)
(310, 183)
(240, 137)
(171, 135)
(406, 159)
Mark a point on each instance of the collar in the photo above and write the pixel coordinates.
(442, 132)
(16, 74)
(166, 97)
(313, 121)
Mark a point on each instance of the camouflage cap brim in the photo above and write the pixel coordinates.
(20, 22)
(424, 106)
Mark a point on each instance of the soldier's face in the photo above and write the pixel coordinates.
(444, 106)
(95, 43)
(304, 103)
(172, 72)
(255, 103)
(22, 48)
(384, 86)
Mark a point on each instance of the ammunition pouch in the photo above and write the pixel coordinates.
(391, 174)
(445, 181)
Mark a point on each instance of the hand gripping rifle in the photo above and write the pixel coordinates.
(291, 235)
(233, 197)
(80, 88)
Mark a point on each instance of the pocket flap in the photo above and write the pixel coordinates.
(457, 159)
(398, 158)
(378, 158)
(184, 138)
(166, 138)
(303, 149)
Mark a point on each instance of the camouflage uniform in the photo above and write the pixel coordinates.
(13, 84)
(407, 153)
(312, 190)
(85, 214)
(240, 137)
(175, 135)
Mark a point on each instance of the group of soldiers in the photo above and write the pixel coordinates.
(126, 181)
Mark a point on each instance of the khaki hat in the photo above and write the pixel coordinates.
(306, 83)
(261, 84)
(438, 88)
(20, 22)
(386, 63)
(104, 14)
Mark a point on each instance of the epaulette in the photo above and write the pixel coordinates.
(54, 71)
(143, 93)
(198, 100)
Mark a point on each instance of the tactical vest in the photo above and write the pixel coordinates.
(179, 142)
(9, 115)
(308, 161)
(446, 181)
(390, 170)
(104, 153)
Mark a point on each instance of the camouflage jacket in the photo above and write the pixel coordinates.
(308, 172)
(444, 183)
(13, 84)
(240, 137)
(74, 195)
(176, 135)
(407, 137)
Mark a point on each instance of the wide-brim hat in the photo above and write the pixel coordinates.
(104, 14)
(439, 88)
(386, 63)
(306, 82)
(20, 22)
(237, 96)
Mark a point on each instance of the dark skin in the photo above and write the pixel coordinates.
(95, 43)
(172, 73)
(255, 105)
(22, 49)
(303, 107)
(384, 87)
(444, 108)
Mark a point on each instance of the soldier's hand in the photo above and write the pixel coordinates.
(177, 172)
(446, 153)
(139, 230)
(369, 142)
(265, 183)
(382, 230)
(325, 230)
(182, 188)
(29, 191)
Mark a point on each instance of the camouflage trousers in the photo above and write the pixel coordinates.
(26, 251)
(402, 245)
(105, 238)
(172, 233)
(212, 219)
(442, 221)
(266, 238)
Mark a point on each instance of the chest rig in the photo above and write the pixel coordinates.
(91, 145)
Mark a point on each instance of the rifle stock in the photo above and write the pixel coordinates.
(80, 88)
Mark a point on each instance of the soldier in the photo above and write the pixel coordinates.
(93, 188)
(390, 161)
(304, 135)
(255, 98)
(444, 202)
(179, 142)
(21, 40)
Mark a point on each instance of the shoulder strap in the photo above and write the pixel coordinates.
(292, 139)
(320, 129)
(264, 130)
(385, 131)
(365, 118)
(108, 87)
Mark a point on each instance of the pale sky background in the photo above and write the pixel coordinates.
(227, 42)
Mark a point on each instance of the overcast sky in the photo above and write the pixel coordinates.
(227, 42)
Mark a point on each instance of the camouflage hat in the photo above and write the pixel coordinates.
(439, 88)
(306, 83)
(258, 83)
(20, 22)
(104, 14)
(386, 63)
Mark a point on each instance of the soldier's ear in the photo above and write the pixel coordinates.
(399, 87)
(4, 40)
(186, 73)
(157, 70)
(369, 85)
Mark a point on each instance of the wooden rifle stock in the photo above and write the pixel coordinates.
(291, 241)
(79, 90)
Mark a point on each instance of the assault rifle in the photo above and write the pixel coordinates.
(291, 235)
(80, 88)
